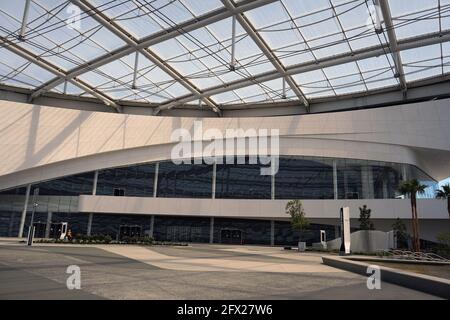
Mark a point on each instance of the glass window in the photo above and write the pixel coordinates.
(425, 179)
(349, 181)
(242, 181)
(136, 181)
(184, 180)
(304, 179)
(9, 223)
(386, 178)
(76, 222)
(172, 228)
(241, 231)
(16, 191)
(115, 224)
(67, 186)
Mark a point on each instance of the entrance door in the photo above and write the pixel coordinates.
(58, 230)
(39, 231)
(129, 231)
(231, 236)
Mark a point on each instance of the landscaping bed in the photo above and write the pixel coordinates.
(106, 239)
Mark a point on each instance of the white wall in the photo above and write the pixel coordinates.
(381, 208)
(41, 143)
(432, 212)
(366, 241)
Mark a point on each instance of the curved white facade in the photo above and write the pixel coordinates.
(42, 143)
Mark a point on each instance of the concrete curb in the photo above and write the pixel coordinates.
(400, 261)
(432, 285)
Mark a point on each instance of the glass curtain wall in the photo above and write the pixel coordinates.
(242, 181)
(185, 180)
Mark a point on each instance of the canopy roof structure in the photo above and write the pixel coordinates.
(216, 54)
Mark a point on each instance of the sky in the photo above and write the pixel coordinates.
(296, 31)
(443, 182)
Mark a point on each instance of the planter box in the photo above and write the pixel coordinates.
(301, 246)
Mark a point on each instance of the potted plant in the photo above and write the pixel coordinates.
(299, 221)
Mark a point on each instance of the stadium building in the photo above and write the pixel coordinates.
(93, 91)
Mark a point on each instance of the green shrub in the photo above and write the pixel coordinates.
(108, 239)
(443, 248)
(444, 238)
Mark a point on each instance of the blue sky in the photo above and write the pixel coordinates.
(445, 181)
(296, 31)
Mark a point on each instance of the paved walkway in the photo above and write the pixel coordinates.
(193, 272)
(251, 259)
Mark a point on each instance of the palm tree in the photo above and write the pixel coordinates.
(444, 194)
(411, 188)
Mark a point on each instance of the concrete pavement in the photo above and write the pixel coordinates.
(193, 272)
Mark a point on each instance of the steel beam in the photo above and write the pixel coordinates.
(109, 24)
(233, 44)
(375, 51)
(56, 71)
(24, 19)
(135, 71)
(248, 27)
(393, 45)
(188, 26)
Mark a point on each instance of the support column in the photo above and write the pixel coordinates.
(335, 186)
(48, 224)
(136, 66)
(24, 19)
(378, 17)
(155, 180)
(24, 211)
(233, 44)
(272, 187)
(405, 176)
(89, 226)
(283, 94)
(94, 185)
(214, 180)
(272, 232)
(152, 225)
(91, 215)
(211, 230)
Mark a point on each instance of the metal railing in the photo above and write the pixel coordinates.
(410, 255)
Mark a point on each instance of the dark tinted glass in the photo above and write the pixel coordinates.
(114, 224)
(67, 186)
(285, 235)
(386, 180)
(16, 191)
(190, 229)
(9, 223)
(184, 180)
(242, 181)
(349, 181)
(241, 231)
(135, 181)
(304, 179)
